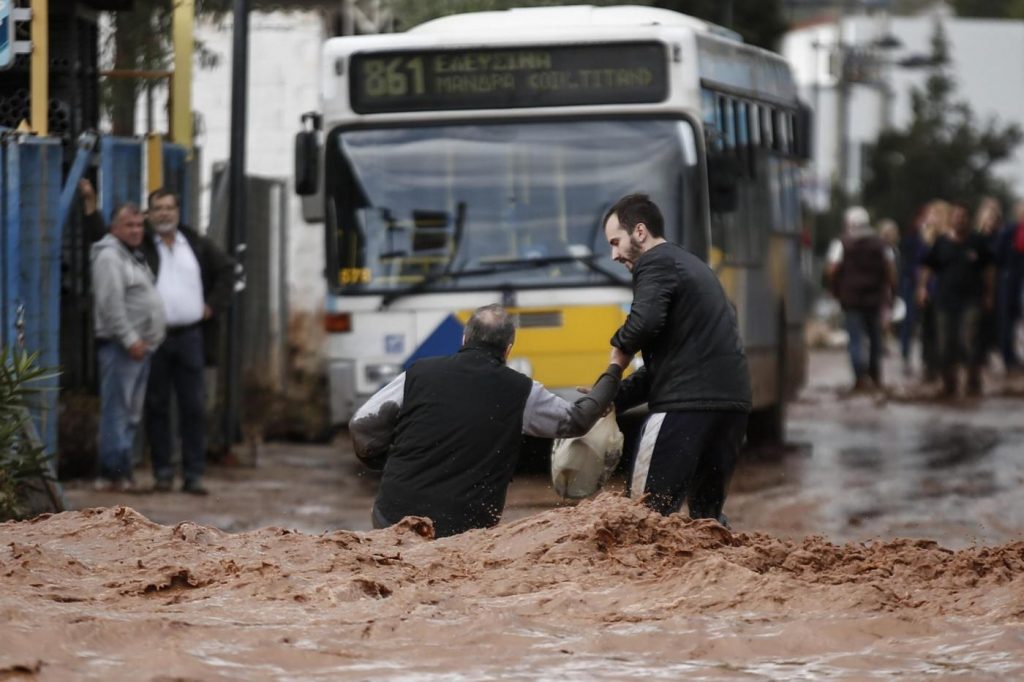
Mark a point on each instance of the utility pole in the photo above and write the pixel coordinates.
(842, 101)
(236, 218)
(39, 68)
(181, 85)
(882, 65)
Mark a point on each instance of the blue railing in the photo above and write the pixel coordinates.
(33, 216)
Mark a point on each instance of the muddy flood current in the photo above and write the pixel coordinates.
(886, 539)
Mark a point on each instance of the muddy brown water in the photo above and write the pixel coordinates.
(887, 538)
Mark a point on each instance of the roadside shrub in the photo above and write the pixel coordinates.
(23, 466)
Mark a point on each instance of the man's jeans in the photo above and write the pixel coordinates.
(177, 365)
(122, 393)
(861, 323)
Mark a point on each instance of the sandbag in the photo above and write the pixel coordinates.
(580, 466)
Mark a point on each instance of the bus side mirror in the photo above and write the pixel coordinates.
(804, 132)
(307, 163)
(723, 183)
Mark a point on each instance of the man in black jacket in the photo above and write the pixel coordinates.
(447, 431)
(195, 279)
(694, 378)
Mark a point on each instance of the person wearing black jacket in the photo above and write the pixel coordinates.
(447, 431)
(694, 378)
(195, 279)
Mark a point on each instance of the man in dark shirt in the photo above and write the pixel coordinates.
(962, 264)
(447, 431)
(694, 379)
(861, 268)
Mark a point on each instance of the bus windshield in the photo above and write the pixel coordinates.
(460, 207)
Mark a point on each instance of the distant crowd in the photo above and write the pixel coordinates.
(954, 283)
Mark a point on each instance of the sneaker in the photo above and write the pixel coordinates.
(163, 485)
(194, 488)
(127, 485)
(103, 485)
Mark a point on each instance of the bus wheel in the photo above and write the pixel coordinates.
(767, 427)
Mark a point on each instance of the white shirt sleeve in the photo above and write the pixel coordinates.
(544, 412)
(394, 392)
(372, 428)
(835, 252)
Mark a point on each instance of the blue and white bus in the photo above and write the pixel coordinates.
(471, 161)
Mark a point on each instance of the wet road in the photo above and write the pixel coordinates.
(859, 469)
(856, 469)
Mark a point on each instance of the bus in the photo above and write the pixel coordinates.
(471, 161)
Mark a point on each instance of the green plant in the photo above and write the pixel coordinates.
(22, 457)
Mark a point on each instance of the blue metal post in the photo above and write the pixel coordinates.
(121, 174)
(86, 143)
(5, 262)
(176, 177)
(32, 242)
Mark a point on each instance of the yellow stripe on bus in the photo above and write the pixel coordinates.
(726, 275)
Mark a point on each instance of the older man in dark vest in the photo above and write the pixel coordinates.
(447, 432)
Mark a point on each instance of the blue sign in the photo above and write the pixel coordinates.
(394, 344)
(6, 34)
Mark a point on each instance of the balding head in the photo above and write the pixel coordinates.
(490, 327)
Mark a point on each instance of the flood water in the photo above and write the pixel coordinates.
(886, 539)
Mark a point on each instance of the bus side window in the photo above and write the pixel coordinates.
(709, 114)
(779, 137)
(753, 137)
(727, 123)
(767, 141)
(742, 140)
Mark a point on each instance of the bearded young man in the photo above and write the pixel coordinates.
(694, 378)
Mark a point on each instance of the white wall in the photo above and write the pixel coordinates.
(987, 62)
(284, 59)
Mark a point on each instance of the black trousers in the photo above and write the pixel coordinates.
(688, 456)
(178, 367)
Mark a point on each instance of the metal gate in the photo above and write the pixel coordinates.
(30, 239)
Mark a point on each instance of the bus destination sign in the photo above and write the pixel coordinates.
(506, 78)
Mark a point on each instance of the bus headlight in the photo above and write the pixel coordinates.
(381, 373)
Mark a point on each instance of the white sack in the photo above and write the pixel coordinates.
(580, 466)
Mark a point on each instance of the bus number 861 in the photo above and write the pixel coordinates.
(391, 78)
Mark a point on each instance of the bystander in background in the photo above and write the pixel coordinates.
(195, 280)
(129, 325)
(862, 272)
(1009, 259)
(961, 261)
(988, 221)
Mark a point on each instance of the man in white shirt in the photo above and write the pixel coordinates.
(194, 280)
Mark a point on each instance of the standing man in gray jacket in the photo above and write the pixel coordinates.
(129, 320)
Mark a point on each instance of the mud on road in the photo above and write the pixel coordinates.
(888, 538)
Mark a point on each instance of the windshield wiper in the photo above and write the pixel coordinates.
(496, 268)
(430, 279)
(589, 262)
